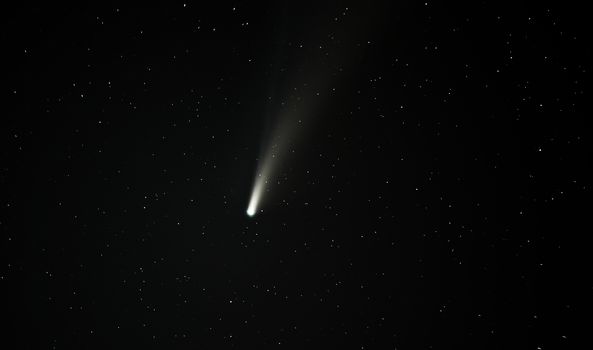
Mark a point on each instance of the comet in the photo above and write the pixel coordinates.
(256, 195)
(271, 161)
(292, 118)
(263, 174)
(295, 102)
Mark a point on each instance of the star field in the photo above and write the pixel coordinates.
(428, 182)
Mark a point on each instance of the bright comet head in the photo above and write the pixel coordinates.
(255, 196)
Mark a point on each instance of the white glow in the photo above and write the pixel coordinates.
(252, 206)
(256, 194)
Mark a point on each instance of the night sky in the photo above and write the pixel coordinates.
(424, 165)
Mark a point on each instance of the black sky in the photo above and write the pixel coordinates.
(435, 194)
